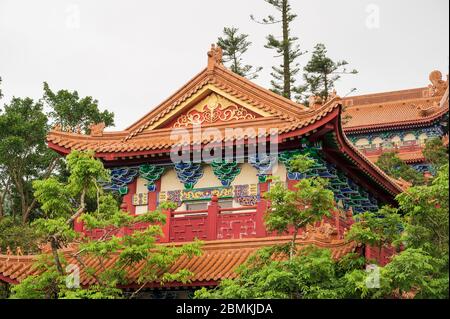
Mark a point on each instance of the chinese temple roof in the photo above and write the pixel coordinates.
(398, 109)
(220, 99)
(219, 260)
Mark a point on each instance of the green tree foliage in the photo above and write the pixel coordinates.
(74, 113)
(14, 234)
(421, 269)
(427, 212)
(379, 229)
(436, 153)
(311, 274)
(321, 73)
(294, 210)
(234, 45)
(62, 203)
(24, 155)
(392, 165)
(283, 82)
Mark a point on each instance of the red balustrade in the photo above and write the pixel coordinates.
(214, 223)
(403, 148)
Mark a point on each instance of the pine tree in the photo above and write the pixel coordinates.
(321, 73)
(234, 45)
(287, 48)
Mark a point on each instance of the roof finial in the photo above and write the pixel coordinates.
(438, 85)
(214, 56)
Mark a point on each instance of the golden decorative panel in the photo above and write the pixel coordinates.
(140, 199)
(214, 109)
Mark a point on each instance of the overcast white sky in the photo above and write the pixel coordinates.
(131, 55)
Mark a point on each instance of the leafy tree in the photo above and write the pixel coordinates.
(421, 269)
(436, 153)
(321, 73)
(62, 203)
(74, 113)
(311, 274)
(234, 45)
(294, 210)
(283, 82)
(379, 229)
(14, 234)
(24, 155)
(426, 209)
(411, 274)
(392, 165)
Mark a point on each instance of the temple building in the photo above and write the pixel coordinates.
(400, 121)
(221, 202)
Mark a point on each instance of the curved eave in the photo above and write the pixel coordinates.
(397, 125)
(363, 163)
(331, 123)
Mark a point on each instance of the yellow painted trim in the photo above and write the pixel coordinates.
(198, 97)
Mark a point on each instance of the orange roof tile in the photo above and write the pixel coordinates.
(160, 139)
(218, 261)
(415, 107)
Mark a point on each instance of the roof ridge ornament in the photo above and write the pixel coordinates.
(438, 86)
(97, 129)
(215, 56)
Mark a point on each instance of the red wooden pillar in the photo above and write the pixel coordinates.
(166, 226)
(128, 198)
(78, 226)
(261, 209)
(213, 217)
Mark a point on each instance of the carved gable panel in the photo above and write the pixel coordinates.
(213, 109)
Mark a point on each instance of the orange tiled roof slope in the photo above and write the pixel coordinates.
(218, 261)
(159, 139)
(407, 108)
(152, 134)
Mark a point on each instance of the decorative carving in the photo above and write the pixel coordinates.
(327, 230)
(264, 165)
(151, 173)
(120, 178)
(225, 171)
(174, 197)
(189, 173)
(286, 158)
(428, 110)
(244, 195)
(437, 86)
(140, 199)
(213, 111)
(332, 95)
(97, 129)
(405, 185)
(315, 101)
(215, 56)
(19, 251)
